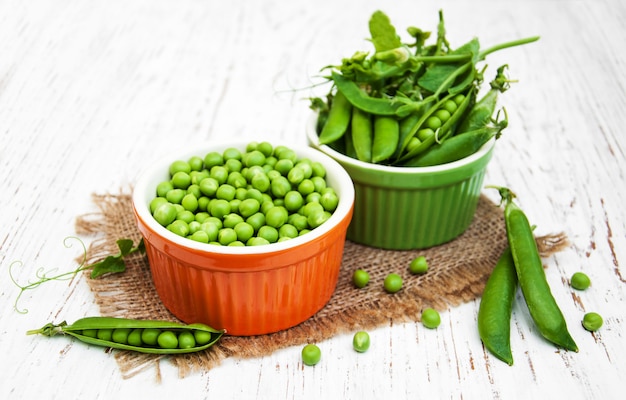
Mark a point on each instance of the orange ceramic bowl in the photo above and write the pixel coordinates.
(248, 290)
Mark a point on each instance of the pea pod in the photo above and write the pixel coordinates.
(496, 304)
(362, 132)
(482, 112)
(441, 133)
(359, 99)
(542, 306)
(386, 136)
(133, 334)
(338, 119)
(458, 146)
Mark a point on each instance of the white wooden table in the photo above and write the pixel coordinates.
(92, 91)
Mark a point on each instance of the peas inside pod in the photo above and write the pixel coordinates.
(255, 196)
(143, 336)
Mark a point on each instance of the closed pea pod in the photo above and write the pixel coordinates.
(144, 336)
(338, 119)
(542, 306)
(386, 137)
(494, 312)
(362, 132)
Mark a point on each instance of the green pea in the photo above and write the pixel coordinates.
(360, 278)
(179, 227)
(319, 183)
(156, 202)
(450, 106)
(219, 173)
(175, 196)
(226, 236)
(231, 220)
(312, 207)
(167, 340)
(163, 188)
(186, 340)
(361, 341)
(283, 166)
(419, 265)
(179, 166)
(268, 233)
(208, 186)
(225, 192)
(287, 230)
(580, 281)
(202, 216)
(92, 333)
(186, 216)
(195, 163)
(442, 114)
(105, 334)
(266, 148)
(317, 218)
(276, 216)
(233, 165)
(181, 180)
(165, 214)
(592, 321)
(202, 337)
(433, 123)
(255, 194)
(299, 221)
(212, 159)
(150, 335)
(255, 157)
(200, 236)
(459, 98)
(306, 187)
(425, 134)
(244, 231)
(236, 180)
(219, 208)
(414, 143)
(280, 187)
(190, 202)
(134, 337)
(329, 201)
(311, 354)
(231, 153)
(392, 283)
(211, 229)
(257, 241)
(318, 169)
(256, 220)
(261, 182)
(120, 335)
(295, 176)
(430, 318)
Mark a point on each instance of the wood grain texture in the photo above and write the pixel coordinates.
(92, 92)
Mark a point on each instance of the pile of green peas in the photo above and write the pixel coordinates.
(258, 196)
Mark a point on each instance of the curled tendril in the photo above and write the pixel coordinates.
(43, 275)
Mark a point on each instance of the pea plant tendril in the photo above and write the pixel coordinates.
(109, 264)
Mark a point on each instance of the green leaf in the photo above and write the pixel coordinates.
(111, 264)
(384, 35)
(125, 246)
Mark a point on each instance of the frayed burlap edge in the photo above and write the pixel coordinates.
(457, 274)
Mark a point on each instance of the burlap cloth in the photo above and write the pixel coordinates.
(457, 273)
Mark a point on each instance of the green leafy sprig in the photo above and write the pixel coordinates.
(109, 265)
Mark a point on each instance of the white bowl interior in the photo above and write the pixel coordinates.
(145, 190)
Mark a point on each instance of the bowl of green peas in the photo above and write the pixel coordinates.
(410, 207)
(245, 236)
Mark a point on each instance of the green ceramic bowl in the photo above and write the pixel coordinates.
(402, 208)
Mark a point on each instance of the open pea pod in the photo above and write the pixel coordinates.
(443, 132)
(98, 331)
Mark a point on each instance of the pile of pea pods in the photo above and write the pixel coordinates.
(411, 104)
